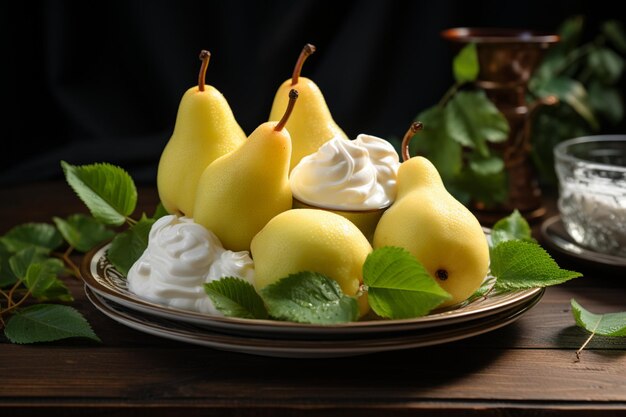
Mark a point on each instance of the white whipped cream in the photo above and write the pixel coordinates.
(182, 256)
(348, 175)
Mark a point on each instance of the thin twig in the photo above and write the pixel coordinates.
(593, 333)
(448, 95)
(16, 305)
(68, 261)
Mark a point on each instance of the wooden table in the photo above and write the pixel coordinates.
(526, 368)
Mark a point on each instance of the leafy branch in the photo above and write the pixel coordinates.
(585, 77)
(35, 256)
(457, 133)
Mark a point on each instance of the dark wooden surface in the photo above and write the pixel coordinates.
(526, 368)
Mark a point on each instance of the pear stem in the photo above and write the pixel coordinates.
(204, 57)
(293, 96)
(413, 129)
(306, 51)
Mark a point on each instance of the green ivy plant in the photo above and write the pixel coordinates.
(458, 130)
(586, 77)
(457, 133)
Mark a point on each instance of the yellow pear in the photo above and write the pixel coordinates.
(311, 240)
(311, 124)
(241, 191)
(437, 229)
(205, 129)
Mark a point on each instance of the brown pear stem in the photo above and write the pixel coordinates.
(306, 51)
(204, 57)
(293, 96)
(413, 129)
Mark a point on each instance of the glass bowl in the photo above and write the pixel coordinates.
(592, 191)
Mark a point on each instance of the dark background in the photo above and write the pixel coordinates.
(101, 81)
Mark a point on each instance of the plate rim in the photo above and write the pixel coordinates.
(311, 348)
(274, 327)
(585, 254)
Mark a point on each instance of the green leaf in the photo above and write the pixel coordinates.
(398, 285)
(570, 31)
(605, 64)
(159, 211)
(47, 323)
(472, 120)
(43, 236)
(609, 324)
(434, 143)
(488, 189)
(614, 31)
(512, 227)
(552, 125)
(309, 297)
(465, 65)
(128, 246)
(235, 297)
(20, 262)
(519, 264)
(606, 101)
(486, 166)
(83, 232)
(7, 277)
(570, 91)
(107, 190)
(41, 279)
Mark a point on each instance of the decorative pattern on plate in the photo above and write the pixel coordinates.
(303, 348)
(102, 278)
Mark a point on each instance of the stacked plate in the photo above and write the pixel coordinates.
(106, 289)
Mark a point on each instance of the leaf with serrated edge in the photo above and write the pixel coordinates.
(44, 236)
(82, 232)
(398, 285)
(512, 227)
(519, 264)
(608, 324)
(42, 281)
(570, 91)
(7, 277)
(20, 262)
(472, 120)
(107, 190)
(235, 297)
(309, 297)
(128, 246)
(434, 143)
(47, 323)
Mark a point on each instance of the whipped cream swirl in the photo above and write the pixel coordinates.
(181, 256)
(348, 175)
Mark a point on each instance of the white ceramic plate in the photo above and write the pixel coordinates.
(290, 348)
(104, 280)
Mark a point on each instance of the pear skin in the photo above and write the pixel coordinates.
(312, 240)
(205, 129)
(241, 191)
(437, 229)
(311, 124)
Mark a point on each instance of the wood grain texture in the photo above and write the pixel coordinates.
(527, 368)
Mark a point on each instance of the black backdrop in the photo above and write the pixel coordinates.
(101, 81)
